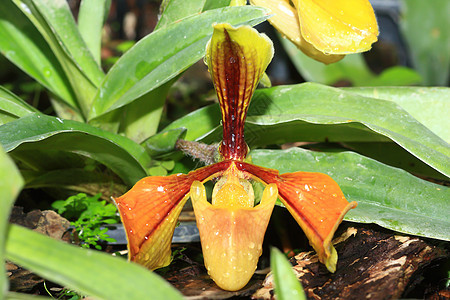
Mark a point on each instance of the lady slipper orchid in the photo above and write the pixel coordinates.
(325, 30)
(231, 227)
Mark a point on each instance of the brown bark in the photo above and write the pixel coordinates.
(372, 265)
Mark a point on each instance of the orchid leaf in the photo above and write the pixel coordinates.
(316, 113)
(428, 105)
(45, 256)
(37, 132)
(287, 286)
(54, 21)
(12, 107)
(10, 185)
(175, 10)
(23, 45)
(426, 29)
(163, 142)
(137, 73)
(213, 4)
(387, 196)
(141, 118)
(91, 17)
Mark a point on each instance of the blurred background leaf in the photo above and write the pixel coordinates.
(426, 29)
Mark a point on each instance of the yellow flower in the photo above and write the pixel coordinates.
(325, 30)
(231, 227)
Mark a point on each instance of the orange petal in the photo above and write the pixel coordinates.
(338, 26)
(236, 59)
(150, 209)
(285, 20)
(314, 200)
(231, 237)
(318, 205)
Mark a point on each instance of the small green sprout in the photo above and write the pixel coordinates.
(87, 215)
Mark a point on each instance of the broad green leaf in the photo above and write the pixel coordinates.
(213, 4)
(163, 55)
(387, 196)
(54, 21)
(287, 286)
(426, 29)
(141, 117)
(316, 113)
(430, 106)
(37, 132)
(57, 15)
(352, 68)
(393, 155)
(10, 185)
(163, 142)
(23, 45)
(396, 76)
(12, 107)
(200, 124)
(87, 271)
(175, 10)
(91, 16)
(65, 111)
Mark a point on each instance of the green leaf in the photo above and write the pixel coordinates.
(175, 10)
(55, 22)
(352, 68)
(387, 196)
(10, 185)
(213, 4)
(316, 113)
(396, 76)
(393, 155)
(200, 124)
(163, 142)
(37, 132)
(12, 107)
(141, 117)
(90, 272)
(287, 286)
(23, 45)
(154, 60)
(428, 105)
(91, 16)
(57, 15)
(426, 29)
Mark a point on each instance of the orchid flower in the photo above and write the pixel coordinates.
(231, 227)
(325, 30)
